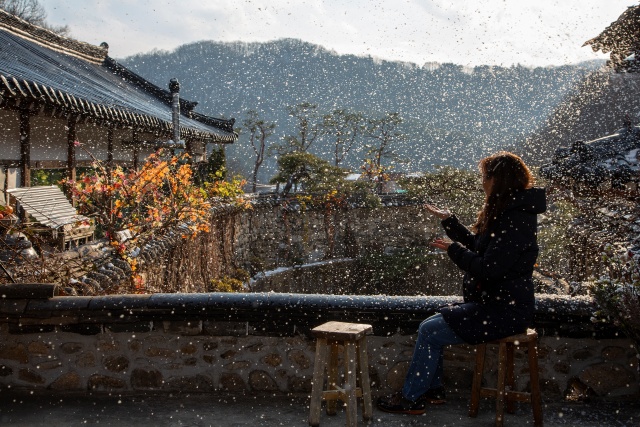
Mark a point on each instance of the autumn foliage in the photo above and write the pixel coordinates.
(162, 197)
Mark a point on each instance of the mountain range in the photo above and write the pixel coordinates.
(452, 115)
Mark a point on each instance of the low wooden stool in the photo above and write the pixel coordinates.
(353, 337)
(506, 378)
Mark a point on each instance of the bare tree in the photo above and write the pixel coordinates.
(344, 127)
(309, 127)
(32, 12)
(259, 130)
(384, 131)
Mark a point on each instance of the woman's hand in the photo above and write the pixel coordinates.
(440, 213)
(441, 244)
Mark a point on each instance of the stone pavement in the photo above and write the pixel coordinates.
(226, 410)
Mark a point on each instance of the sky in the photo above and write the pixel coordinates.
(469, 32)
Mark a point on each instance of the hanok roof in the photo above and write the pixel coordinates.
(621, 38)
(614, 158)
(79, 78)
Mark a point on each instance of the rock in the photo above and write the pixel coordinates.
(116, 363)
(236, 366)
(86, 360)
(105, 383)
(396, 375)
(71, 347)
(5, 371)
(272, 359)
(299, 359)
(143, 379)
(613, 352)
(30, 376)
(209, 358)
(299, 384)
(68, 381)
(230, 381)
(606, 378)
(209, 345)
(17, 352)
(188, 349)
(262, 381)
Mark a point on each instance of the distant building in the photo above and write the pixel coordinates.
(55, 91)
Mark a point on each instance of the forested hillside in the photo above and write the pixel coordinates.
(451, 114)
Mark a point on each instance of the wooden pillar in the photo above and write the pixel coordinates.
(136, 150)
(110, 149)
(71, 148)
(25, 148)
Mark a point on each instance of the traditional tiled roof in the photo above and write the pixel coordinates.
(614, 158)
(72, 77)
(622, 39)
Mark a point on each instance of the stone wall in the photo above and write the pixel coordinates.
(261, 343)
(277, 233)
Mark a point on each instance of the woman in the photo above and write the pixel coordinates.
(497, 257)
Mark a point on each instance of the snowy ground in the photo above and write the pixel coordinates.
(224, 410)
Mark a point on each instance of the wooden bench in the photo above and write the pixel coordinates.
(49, 207)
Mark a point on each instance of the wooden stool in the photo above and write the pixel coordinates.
(353, 337)
(506, 377)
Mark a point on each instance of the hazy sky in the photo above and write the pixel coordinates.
(467, 32)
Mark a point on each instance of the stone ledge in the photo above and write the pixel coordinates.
(277, 314)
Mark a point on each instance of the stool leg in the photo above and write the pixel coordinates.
(332, 377)
(318, 382)
(363, 363)
(536, 400)
(511, 379)
(350, 374)
(502, 373)
(477, 380)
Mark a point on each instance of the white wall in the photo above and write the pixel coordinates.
(9, 135)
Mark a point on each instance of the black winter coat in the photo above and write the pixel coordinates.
(498, 265)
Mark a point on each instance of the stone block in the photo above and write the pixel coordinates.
(299, 359)
(236, 366)
(38, 348)
(230, 381)
(116, 363)
(71, 347)
(106, 345)
(30, 376)
(209, 345)
(606, 378)
(396, 375)
(160, 352)
(613, 353)
(299, 384)
(188, 328)
(228, 354)
(209, 358)
(105, 383)
(261, 381)
(273, 359)
(49, 365)
(67, 382)
(5, 371)
(17, 352)
(86, 360)
(146, 379)
(188, 349)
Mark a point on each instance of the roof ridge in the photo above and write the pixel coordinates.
(51, 40)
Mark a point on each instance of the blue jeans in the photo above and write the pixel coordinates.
(425, 371)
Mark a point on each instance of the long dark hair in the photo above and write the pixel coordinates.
(509, 175)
